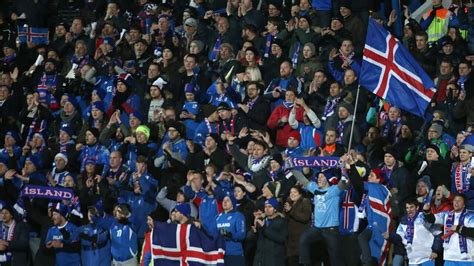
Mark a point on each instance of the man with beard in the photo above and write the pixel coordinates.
(48, 84)
(63, 238)
(255, 110)
(275, 91)
(142, 57)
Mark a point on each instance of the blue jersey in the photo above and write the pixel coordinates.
(16, 153)
(294, 152)
(177, 146)
(67, 234)
(217, 99)
(123, 242)
(208, 211)
(204, 129)
(310, 137)
(95, 246)
(191, 125)
(232, 222)
(106, 83)
(96, 152)
(141, 209)
(326, 205)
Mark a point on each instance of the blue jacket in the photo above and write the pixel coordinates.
(68, 235)
(123, 240)
(95, 245)
(232, 222)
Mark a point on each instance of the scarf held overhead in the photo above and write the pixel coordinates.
(315, 161)
(55, 193)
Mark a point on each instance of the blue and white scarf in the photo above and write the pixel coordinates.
(448, 233)
(410, 232)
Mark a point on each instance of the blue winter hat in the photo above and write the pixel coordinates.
(100, 92)
(190, 88)
(98, 105)
(183, 208)
(90, 161)
(137, 114)
(73, 101)
(67, 129)
(13, 134)
(232, 199)
(330, 176)
(110, 41)
(273, 202)
(35, 160)
(60, 208)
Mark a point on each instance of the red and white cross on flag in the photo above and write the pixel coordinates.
(390, 71)
(184, 245)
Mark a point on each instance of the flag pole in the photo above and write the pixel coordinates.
(353, 118)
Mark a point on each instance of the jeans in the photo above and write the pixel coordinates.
(398, 260)
(426, 263)
(331, 238)
(130, 262)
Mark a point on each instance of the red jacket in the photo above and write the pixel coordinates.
(282, 132)
(445, 206)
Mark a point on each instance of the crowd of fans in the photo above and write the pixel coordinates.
(187, 111)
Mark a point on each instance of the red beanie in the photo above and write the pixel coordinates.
(378, 173)
(296, 135)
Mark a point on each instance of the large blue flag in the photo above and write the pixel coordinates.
(184, 244)
(390, 71)
(34, 35)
